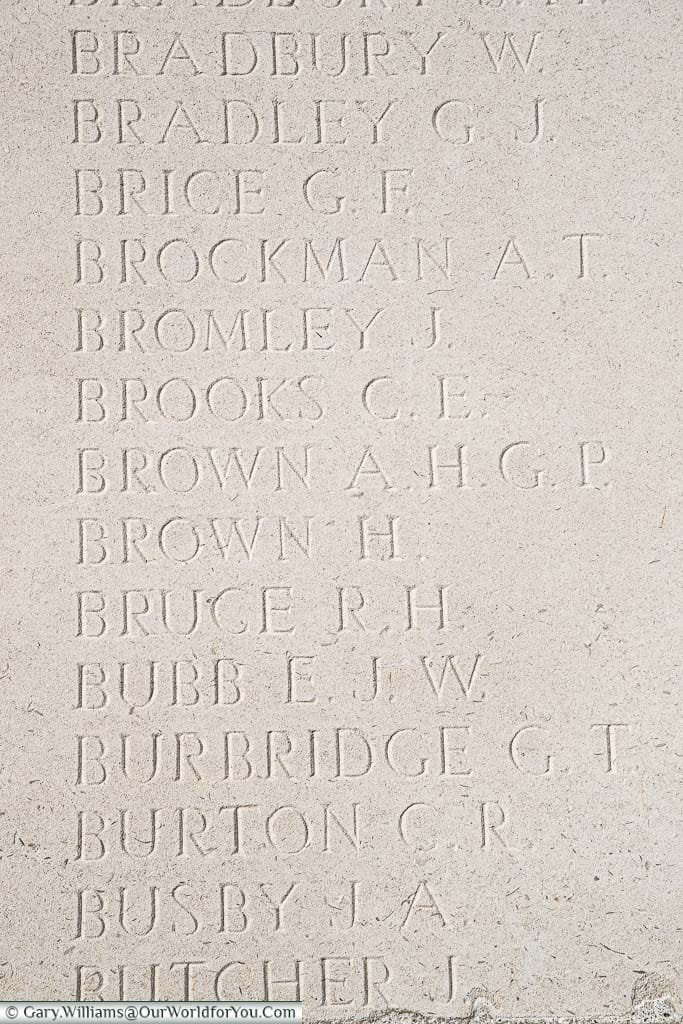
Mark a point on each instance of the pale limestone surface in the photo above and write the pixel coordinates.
(467, 808)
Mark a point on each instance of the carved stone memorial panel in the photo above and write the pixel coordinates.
(340, 631)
